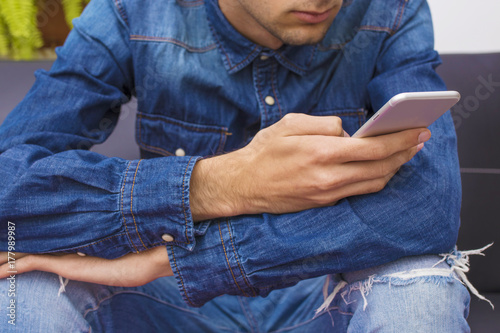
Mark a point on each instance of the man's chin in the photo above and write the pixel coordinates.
(303, 41)
(298, 38)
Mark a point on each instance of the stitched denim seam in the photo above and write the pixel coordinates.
(131, 201)
(399, 17)
(121, 10)
(248, 314)
(228, 263)
(300, 69)
(313, 52)
(188, 4)
(191, 128)
(214, 33)
(238, 260)
(376, 28)
(333, 46)
(183, 204)
(180, 277)
(121, 207)
(274, 90)
(371, 28)
(247, 57)
(257, 81)
(174, 41)
(144, 145)
(222, 143)
(231, 67)
(155, 149)
(361, 116)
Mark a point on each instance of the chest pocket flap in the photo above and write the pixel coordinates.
(165, 136)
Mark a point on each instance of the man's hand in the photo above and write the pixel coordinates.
(130, 270)
(300, 162)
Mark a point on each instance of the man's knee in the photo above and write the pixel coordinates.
(408, 296)
(428, 304)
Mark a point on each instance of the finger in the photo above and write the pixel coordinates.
(363, 187)
(17, 266)
(302, 124)
(379, 147)
(31, 262)
(73, 267)
(354, 172)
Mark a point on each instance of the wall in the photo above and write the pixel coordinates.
(466, 26)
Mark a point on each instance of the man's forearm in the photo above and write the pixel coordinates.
(302, 162)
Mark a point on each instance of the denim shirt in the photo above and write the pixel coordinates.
(202, 90)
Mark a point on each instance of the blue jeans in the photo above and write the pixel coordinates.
(408, 295)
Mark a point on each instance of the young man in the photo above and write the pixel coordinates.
(277, 86)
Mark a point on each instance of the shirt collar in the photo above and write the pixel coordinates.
(237, 52)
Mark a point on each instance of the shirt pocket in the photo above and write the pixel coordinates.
(352, 119)
(158, 135)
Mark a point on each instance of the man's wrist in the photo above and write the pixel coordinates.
(213, 192)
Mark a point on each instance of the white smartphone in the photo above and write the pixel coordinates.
(409, 110)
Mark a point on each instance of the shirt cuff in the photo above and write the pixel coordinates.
(154, 203)
(212, 268)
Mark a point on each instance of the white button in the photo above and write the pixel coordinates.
(180, 152)
(269, 100)
(81, 254)
(264, 57)
(167, 238)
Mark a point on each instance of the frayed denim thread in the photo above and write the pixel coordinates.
(459, 265)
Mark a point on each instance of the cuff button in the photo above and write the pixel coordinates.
(180, 152)
(167, 238)
(81, 254)
(269, 100)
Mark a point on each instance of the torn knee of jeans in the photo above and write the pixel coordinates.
(458, 262)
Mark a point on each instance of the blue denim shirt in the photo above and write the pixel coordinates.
(202, 87)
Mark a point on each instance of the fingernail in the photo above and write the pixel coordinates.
(424, 136)
(420, 146)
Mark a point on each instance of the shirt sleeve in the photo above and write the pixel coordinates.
(416, 213)
(60, 195)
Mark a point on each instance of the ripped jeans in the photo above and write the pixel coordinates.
(413, 294)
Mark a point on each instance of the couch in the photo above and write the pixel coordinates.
(477, 121)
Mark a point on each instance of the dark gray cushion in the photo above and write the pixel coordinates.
(477, 120)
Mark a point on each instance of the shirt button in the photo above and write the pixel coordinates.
(81, 254)
(269, 100)
(180, 152)
(167, 238)
(264, 57)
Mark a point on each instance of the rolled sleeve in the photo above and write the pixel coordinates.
(212, 268)
(154, 201)
(63, 197)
